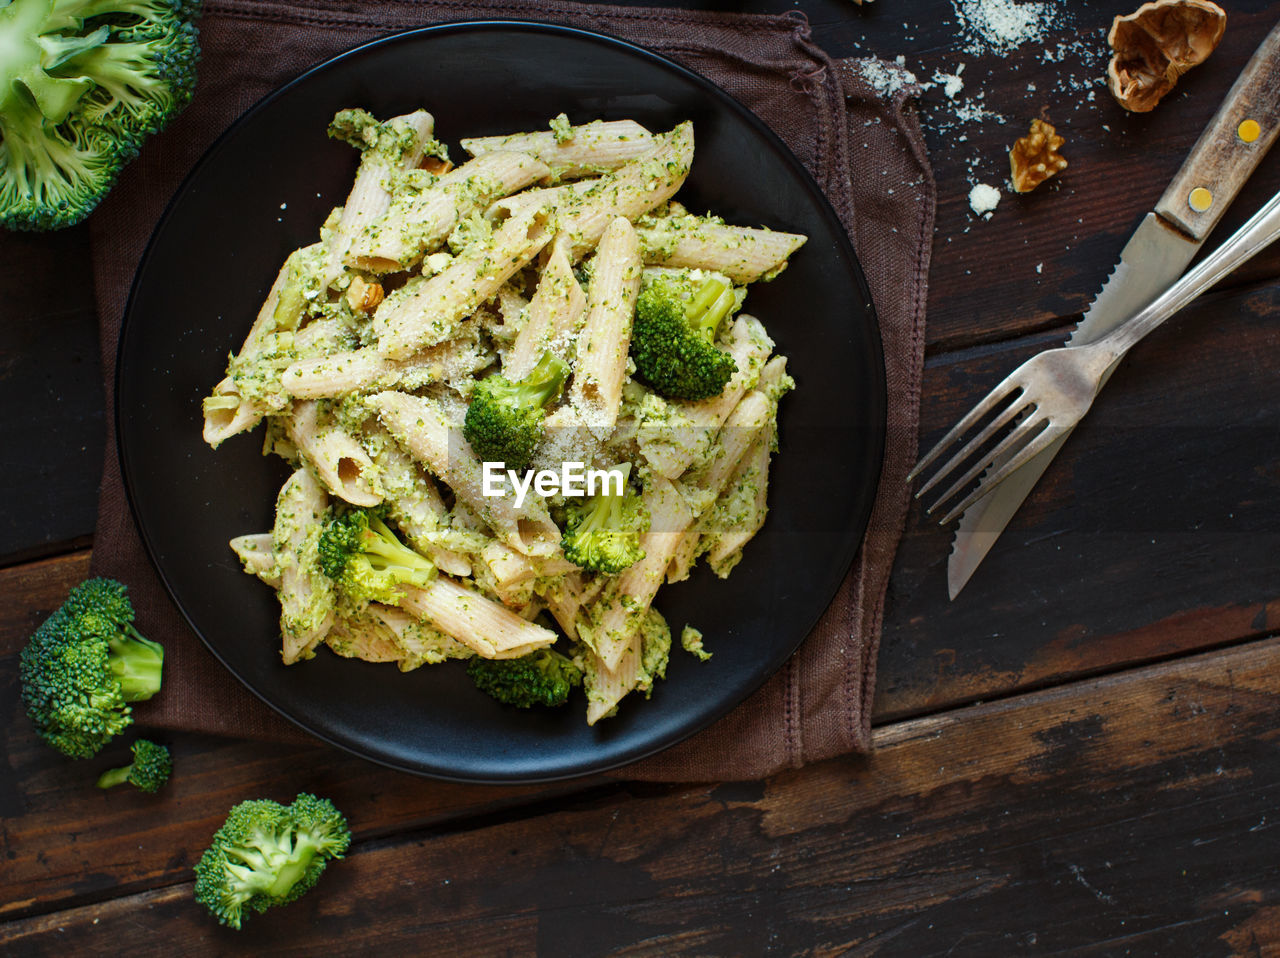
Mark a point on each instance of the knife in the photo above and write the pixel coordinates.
(1167, 240)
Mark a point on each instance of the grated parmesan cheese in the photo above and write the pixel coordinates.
(1000, 26)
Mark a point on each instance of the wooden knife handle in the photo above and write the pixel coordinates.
(1231, 146)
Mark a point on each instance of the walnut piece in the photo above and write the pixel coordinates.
(364, 296)
(1035, 157)
(1157, 44)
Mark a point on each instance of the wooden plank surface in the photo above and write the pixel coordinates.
(1133, 814)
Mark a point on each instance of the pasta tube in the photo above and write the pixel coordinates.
(601, 364)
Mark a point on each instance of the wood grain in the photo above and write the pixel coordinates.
(1153, 534)
(1134, 813)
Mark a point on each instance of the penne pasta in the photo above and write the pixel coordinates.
(398, 144)
(484, 626)
(601, 362)
(255, 554)
(613, 620)
(422, 428)
(742, 254)
(365, 370)
(416, 222)
(431, 313)
(671, 445)
(306, 595)
(576, 150)
(555, 314)
(630, 191)
(339, 461)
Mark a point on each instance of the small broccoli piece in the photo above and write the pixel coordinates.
(84, 665)
(366, 560)
(504, 420)
(150, 769)
(544, 677)
(602, 534)
(82, 84)
(673, 338)
(267, 854)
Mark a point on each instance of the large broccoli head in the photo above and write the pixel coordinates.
(504, 420)
(673, 338)
(365, 559)
(541, 678)
(267, 854)
(602, 533)
(82, 84)
(84, 665)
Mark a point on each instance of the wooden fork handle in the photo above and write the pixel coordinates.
(1231, 146)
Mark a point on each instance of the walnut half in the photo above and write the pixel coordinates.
(1157, 44)
(1035, 157)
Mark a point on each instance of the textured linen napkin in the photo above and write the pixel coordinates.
(862, 144)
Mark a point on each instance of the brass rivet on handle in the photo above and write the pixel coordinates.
(1200, 199)
(1249, 131)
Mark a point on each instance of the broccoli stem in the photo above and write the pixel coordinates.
(114, 777)
(708, 308)
(545, 380)
(136, 662)
(380, 541)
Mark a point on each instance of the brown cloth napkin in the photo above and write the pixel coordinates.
(863, 146)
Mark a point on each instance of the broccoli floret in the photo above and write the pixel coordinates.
(673, 338)
(504, 420)
(603, 533)
(544, 677)
(84, 665)
(150, 769)
(268, 854)
(82, 84)
(366, 560)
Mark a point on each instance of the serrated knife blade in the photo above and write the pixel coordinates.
(1153, 259)
(1155, 256)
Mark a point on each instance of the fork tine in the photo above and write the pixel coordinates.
(972, 446)
(993, 399)
(1022, 433)
(1042, 439)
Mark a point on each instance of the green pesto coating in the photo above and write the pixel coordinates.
(83, 83)
(673, 338)
(149, 770)
(267, 854)
(504, 420)
(542, 678)
(84, 665)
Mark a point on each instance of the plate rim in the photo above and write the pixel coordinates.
(851, 543)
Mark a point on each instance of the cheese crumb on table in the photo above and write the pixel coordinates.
(984, 199)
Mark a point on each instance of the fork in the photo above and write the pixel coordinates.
(1048, 394)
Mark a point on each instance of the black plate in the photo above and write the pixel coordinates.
(264, 188)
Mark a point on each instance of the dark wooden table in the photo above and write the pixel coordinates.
(1079, 756)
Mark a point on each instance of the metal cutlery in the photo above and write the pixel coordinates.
(1047, 395)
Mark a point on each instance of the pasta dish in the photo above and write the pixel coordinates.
(456, 339)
